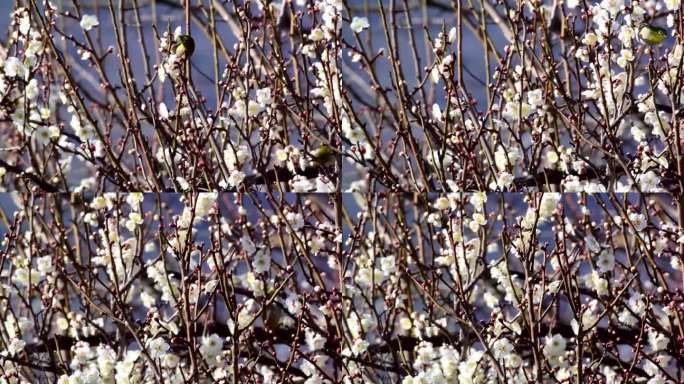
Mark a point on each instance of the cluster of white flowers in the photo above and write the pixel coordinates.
(599, 273)
(523, 257)
(475, 263)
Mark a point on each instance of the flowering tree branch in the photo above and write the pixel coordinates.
(321, 191)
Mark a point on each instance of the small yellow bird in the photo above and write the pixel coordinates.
(324, 155)
(652, 35)
(185, 45)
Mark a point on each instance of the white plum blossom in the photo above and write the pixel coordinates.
(211, 346)
(638, 220)
(549, 203)
(158, 347)
(314, 340)
(14, 68)
(236, 178)
(89, 22)
(649, 182)
(554, 345)
(606, 261)
(358, 24)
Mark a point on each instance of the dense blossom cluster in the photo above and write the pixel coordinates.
(218, 267)
(572, 98)
(450, 288)
(601, 113)
(73, 125)
(328, 191)
(520, 288)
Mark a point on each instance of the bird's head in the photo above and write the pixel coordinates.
(652, 35)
